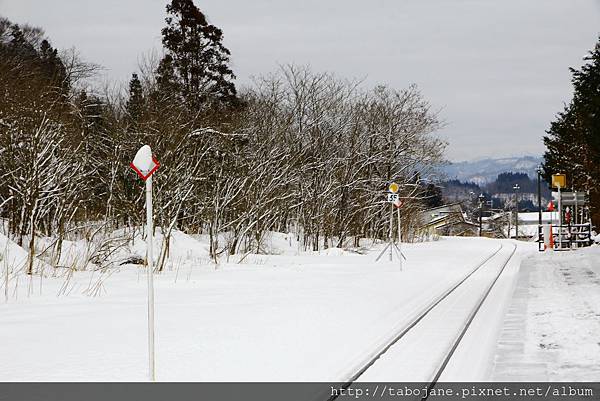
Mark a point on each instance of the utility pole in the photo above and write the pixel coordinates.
(539, 198)
(516, 187)
(481, 199)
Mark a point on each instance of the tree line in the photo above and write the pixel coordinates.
(298, 151)
(573, 139)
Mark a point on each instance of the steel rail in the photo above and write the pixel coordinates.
(467, 324)
(420, 316)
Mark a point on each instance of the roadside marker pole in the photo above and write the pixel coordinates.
(145, 165)
(149, 239)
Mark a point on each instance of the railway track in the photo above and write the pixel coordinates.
(429, 310)
(470, 319)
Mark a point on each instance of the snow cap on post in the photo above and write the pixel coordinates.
(144, 164)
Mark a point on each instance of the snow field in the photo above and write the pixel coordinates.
(304, 317)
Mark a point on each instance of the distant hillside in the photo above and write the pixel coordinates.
(500, 191)
(486, 170)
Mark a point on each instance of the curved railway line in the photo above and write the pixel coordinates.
(413, 324)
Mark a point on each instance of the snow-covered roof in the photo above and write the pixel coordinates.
(533, 216)
(440, 213)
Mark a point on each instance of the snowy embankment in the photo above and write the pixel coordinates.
(298, 316)
(551, 331)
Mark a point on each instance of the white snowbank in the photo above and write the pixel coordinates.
(15, 257)
(73, 254)
(307, 317)
(182, 247)
(119, 247)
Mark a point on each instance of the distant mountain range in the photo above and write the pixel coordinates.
(486, 170)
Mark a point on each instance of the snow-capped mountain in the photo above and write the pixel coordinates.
(486, 170)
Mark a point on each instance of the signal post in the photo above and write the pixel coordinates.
(393, 197)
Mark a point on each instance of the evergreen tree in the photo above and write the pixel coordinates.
(20, 46)
(573, 140)
(196, 64)
(166, 80)
(433, 196)
(52, 66)
(135, 102)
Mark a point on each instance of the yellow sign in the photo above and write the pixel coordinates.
(394, 187)
(559, 180)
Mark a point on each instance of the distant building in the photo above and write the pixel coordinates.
(528, 223)
(446, 220)
(509, 198)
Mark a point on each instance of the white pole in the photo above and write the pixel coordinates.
(559, 219)
(149, 241)
(391, 231)
(6, 277)
(575, 207)
(399, 238)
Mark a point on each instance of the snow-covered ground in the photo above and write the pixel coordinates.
(298, 316)
(308, 316)
(551, 331)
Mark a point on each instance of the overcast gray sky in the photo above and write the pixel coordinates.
(497, 70)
